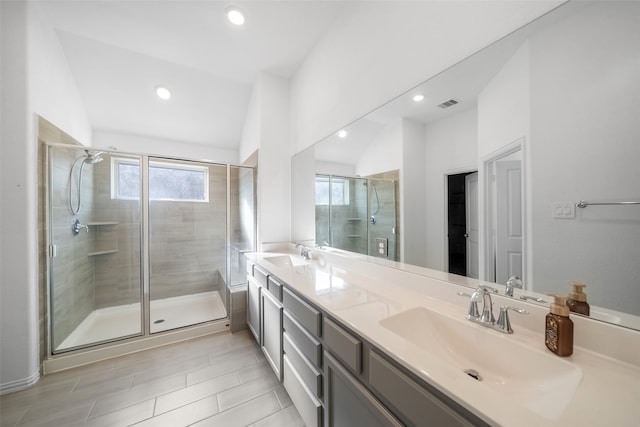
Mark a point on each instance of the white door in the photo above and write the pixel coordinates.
(471, 202)
(509, 220)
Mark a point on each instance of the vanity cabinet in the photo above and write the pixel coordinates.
(264, 315)
(349, 403)
(271, 336)
(334, 376)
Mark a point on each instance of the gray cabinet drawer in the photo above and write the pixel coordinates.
(311, 377)
(274, 287)
(304, 313)
(415, 404)
(309, 408)
(344, 345)
(260, 275)
(308, 345)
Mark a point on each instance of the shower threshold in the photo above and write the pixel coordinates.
(110, 323)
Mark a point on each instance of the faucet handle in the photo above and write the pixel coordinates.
(503, 323)
(473, 306)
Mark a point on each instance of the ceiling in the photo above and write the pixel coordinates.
(119, 51)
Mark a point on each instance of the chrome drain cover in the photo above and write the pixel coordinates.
(473, 374)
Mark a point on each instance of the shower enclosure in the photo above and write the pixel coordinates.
(357, 214)
(139, 245)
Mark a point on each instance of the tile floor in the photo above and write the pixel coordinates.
(219, 380)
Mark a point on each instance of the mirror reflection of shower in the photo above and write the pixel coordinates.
(372, 217)
(90, 159)
(358, 214)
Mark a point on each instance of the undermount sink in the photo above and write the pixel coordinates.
(287, 260)
(537, 380)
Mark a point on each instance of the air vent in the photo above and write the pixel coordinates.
(448, 103)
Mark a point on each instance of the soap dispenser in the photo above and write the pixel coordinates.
(577, 301)
(558, 329)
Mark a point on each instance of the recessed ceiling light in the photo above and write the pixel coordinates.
(235, 16)
(163, 92)
(342, 133)
(419, 97)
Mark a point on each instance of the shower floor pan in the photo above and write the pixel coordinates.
(124, 320)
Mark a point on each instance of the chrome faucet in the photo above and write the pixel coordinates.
(486, 318)
(305, 252)
(513, 282)
(324, 244)
(483, 292)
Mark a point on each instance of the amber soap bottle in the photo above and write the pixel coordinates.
(558, 330)
(577, 301)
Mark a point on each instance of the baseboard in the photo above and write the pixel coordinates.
(20, 384)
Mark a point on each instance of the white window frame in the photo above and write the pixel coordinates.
(116, 161)
(332, 180)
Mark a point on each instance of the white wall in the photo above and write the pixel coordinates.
(303, 192)
(585, 102)
(35, 81)
(504, 115)
(413, 203)
(274, 160)
(384, 152)
(250, 140)
(377, 50)
(451, 146)
(18, 226)
(162, 147)
(504, 105)
(330, 168)
(52, 87)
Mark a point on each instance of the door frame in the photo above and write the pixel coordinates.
(487, 210)
(445, 209)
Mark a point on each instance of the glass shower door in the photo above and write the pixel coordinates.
(95, 286)
(187, 243)
(242, 222)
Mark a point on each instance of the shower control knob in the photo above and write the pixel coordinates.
(76, 226)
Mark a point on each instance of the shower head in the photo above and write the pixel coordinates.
(93, 158)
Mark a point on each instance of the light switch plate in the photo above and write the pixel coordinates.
(564, 210)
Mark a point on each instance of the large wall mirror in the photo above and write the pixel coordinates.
(494, 155)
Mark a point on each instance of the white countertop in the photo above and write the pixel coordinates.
(362, 294)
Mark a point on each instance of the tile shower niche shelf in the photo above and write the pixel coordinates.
(104, 236)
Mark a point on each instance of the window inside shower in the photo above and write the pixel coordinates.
(141, 245)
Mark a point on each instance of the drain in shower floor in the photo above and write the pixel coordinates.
(158, 321)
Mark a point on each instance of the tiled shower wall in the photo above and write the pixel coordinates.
(75, 272)
(187, 242)
(349, 222)
(385, 224)
(116, 226)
